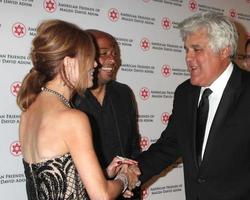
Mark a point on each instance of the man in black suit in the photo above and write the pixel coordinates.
(217, 162)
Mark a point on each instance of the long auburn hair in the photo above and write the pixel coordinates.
(55, 40)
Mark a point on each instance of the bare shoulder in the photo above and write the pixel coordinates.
(74, 116)
(24, 120)
(75, 121)
(77, 130)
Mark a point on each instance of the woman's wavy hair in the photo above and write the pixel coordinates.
(55, 40)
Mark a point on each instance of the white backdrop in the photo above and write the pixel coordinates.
(152, 65)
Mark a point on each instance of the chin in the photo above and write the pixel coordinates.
(196, 83)
(90, 84)
(103, 81)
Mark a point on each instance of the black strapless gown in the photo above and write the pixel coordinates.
(54, 179)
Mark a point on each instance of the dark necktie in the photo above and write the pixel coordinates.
(202, 114)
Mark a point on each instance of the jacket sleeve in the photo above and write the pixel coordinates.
(162, 153)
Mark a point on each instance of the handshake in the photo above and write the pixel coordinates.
(126, 171)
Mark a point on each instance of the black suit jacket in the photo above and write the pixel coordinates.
(224, 173)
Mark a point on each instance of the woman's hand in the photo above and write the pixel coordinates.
(116, 164)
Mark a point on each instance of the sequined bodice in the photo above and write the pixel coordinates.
(54, 179)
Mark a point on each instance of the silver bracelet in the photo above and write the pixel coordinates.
(124, 179)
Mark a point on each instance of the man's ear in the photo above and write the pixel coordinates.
(225, 52)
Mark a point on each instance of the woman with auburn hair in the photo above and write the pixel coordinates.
(56, 141)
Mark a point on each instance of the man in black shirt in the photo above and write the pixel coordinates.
(110, 106)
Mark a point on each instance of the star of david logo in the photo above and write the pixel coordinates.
(144, 143)
(166, 23)
(15, 87)
(233, 13)
(113, 14)
(50, 5)
(193, 6)
(145, 44)
(165, 118)
(166, 70)
(15, 148)
(19, 30)
(144, 93)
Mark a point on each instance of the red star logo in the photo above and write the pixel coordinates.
(15, 87)
(113, 14)
(145, 44)
(166, 70)
(144, 93)
(192, 4)
(233, 13)
(165, 118)
(49, 5)
(144, 143)
(166, 23)
(18, 29)
(15, 148)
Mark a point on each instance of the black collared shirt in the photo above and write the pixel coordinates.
(104, 127)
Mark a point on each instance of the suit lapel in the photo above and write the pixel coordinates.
(229, 97)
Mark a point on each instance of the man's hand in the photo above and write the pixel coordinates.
(133, 173)
(128, 194)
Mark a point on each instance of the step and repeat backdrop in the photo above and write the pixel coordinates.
(152, 65)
